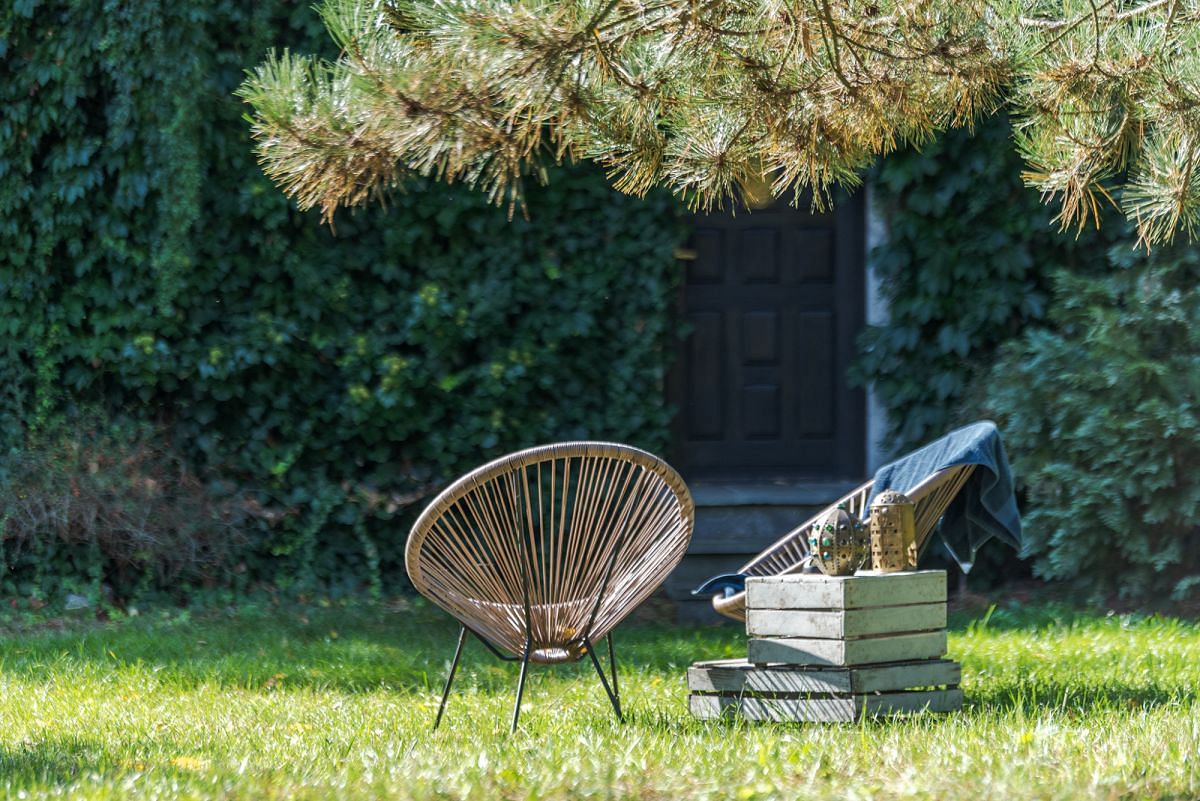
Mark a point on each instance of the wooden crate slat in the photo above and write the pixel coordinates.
(864, 590)
(930, 673)
(824, 710)
(868, 650)
(916, 701)
(845, 623)
(742, 676)
(736, 679)
(832, 710)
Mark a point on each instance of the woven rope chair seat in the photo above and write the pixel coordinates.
(551, 547)
(567, 644)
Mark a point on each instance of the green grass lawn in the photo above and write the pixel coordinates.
(338, 703)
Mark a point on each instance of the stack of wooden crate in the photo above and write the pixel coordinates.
(835, 648)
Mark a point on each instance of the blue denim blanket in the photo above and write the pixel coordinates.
(986, 506)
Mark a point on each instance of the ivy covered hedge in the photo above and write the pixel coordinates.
(1082, 348)
(965, 266)
(149, 270)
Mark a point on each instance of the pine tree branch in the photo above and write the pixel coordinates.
(699, 94)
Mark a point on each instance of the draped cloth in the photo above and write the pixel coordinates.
(986, 506)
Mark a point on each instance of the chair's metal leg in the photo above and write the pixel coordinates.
(613, 699)
(462, 639)
(612, 664)
(520, 688)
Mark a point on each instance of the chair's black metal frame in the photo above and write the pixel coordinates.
(585, 643)
(612, 691)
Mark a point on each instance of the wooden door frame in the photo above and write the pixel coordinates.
(850, 265)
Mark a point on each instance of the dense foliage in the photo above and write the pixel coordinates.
(1095, 387)
(146, 265)
(1100, 411)
(964, 267)
(99, 510)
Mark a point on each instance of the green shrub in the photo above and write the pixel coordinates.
(1099, 411)
(964, 267)
(112, 511)
(147, 267)
(1095, 388)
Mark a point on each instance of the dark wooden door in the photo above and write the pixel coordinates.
(774, 300)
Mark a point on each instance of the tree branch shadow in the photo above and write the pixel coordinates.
(63, 760)
(1073, 699)
(362, 649)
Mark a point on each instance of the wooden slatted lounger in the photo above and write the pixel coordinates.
(790, 554)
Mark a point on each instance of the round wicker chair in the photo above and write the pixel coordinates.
(541, 553)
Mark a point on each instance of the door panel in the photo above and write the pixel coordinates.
(815, 374)
(774, 299)
(705, 415)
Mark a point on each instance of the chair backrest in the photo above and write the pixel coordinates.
(555, 544)
(789, 554)
(931, 497)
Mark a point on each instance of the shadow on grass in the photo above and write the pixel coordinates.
(358, 649)
(367, 648)
(63, 761)
(1075, 699)
(49, 761)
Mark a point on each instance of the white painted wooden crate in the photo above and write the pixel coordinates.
(835, 648)
(821, 694)
(846, 620)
